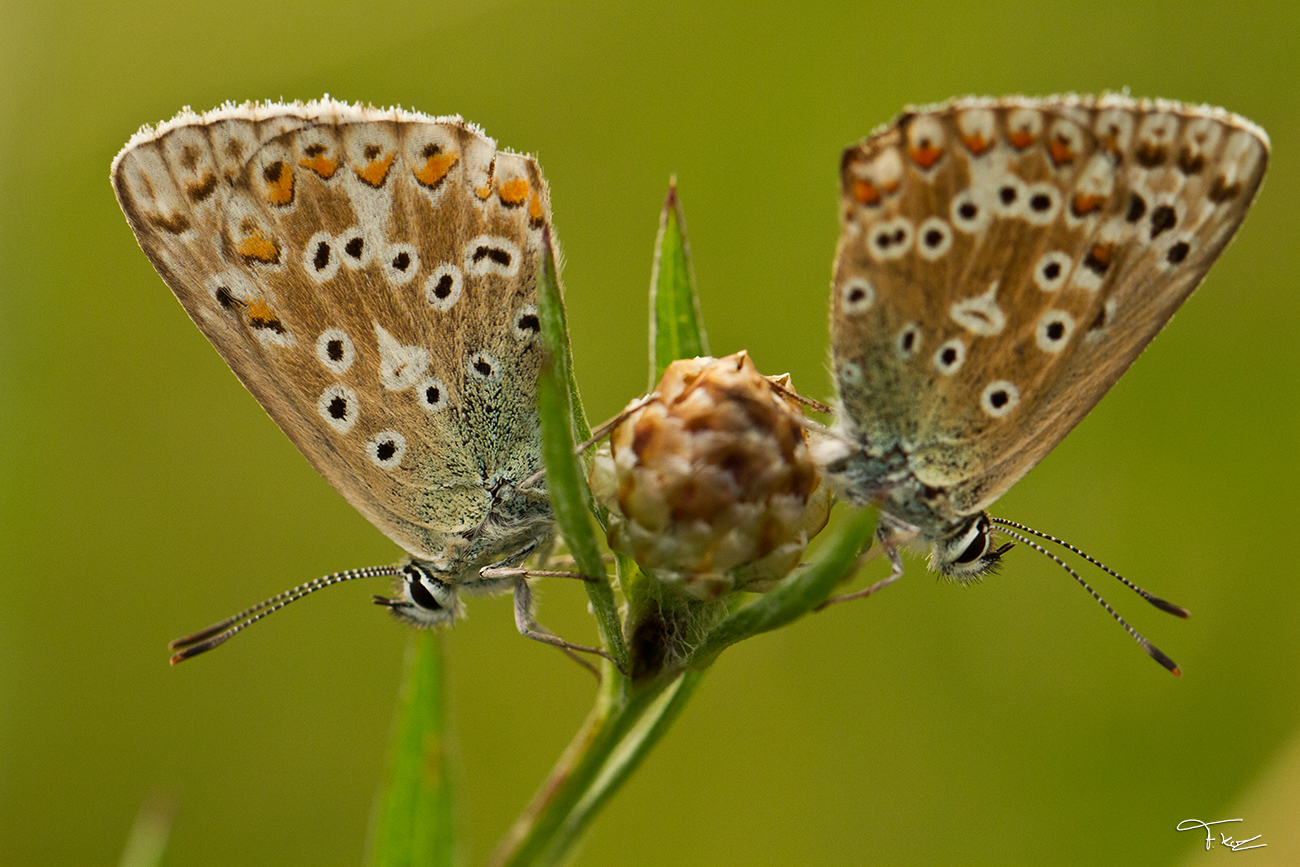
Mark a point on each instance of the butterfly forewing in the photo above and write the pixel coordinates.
(371, 278)
(1002, 262)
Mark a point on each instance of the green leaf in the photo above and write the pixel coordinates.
(570, 498)
(676, 327)
(414, 821)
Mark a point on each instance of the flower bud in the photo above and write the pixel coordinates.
(709, 482)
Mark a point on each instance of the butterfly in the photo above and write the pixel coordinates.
(371, 277)
(1001, 263)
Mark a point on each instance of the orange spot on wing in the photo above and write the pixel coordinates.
(436, 168)
(865, 192)
(1082, 205)
(484, 191)
(323, 166)
(513, 192)
(926, 155)
(259, 248)
(1020, 139)
(535, 208)
(976, 143)
(1060, 151)
(1102, 253)
(376, 171)
(259, 309)
(279, 189)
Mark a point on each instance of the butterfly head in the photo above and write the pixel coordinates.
(423, 599)
(968, 552)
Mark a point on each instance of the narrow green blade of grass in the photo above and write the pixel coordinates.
(149, 833)
(414, 821)
(676, 327)
(570, 497)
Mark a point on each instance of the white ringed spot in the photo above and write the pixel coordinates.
(401, 263)
(968, 212)
(431, 394)
(335, 350)
(339, 408)
(856, 296)
(444, 286)
(1051, 271)
(1042, 203)
(934, 238)
(1010, 197)
(492, 254)
(355, 250)
(999, 398)
(386, 449)
(890, 239)
(850, 373)
(949, 356)
(908, 341)
(483, 367)
(1054, 330)
(320, 258)
(527, 323)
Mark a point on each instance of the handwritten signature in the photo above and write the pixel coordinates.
(1234, 845)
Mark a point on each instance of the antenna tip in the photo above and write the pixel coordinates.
(1159, 657)
(1166, 606)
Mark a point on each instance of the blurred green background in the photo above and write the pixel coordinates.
(146, 494)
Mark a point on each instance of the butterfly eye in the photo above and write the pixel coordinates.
(423, 600)
(968, 554)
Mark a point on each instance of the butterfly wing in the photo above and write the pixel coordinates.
(371, 278)
(1002, 262)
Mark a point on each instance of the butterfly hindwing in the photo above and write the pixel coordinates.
(1002, 262)
(371, 278)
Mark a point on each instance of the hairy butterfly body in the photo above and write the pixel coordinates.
(1001, 263)
(371, 277)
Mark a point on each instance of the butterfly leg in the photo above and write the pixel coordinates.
(885, 543)
(528, 626)
(498, 571)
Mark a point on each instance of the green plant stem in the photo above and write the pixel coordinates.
(622, 728)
